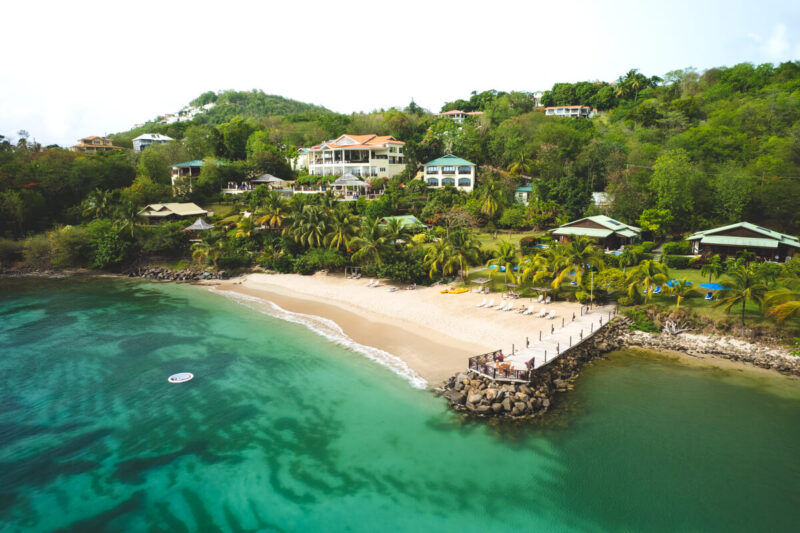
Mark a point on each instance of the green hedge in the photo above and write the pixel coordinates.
(681, 261)
(677, 248)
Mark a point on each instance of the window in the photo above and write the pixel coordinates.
(383, 170)
(448, 170)
(464, 182)
(464, 170)
(431, 170)
(449, 181)
(392, 149)
(433, 182)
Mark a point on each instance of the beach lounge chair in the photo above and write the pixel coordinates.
(573, 283)
(547, 300)
(540, 299)
(658, 290)
(482, 303)
(371, 282)
(392, 289)
(709, 295)
(497, 307)
(377, 283)
(542, 313)
(522, 309)
(486, 290)
(490, 304)
(551, 315)
(509, 307)
(529, 311)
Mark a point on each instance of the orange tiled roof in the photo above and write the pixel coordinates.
(361, 141)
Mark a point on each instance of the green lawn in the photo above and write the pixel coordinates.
(487, 242)
(220, 210)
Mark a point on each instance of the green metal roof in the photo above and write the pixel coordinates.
(524, 188)
(788, 240)
(449, 160)
(725, 240)
(628, 233)
(406, 220)
(197, 163)
(587, 232)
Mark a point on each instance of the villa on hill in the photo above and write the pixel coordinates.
(183, 173)
(612, 234)
(729, 240)
(171, 211)
(146, 139)
(94, 144)
(363, 156)
(581, 111)
(458, 116)
(450, 170)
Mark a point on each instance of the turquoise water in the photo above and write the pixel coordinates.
(283, 430)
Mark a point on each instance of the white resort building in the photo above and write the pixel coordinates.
(143, 141)
(458, 116)
(570, 111)
(363, 156)
(450, 170)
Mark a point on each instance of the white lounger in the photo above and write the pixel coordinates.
(551, 315)
(490, 304)
(529, 311)
(541, 298)
(542, 313)
(509, 307)
(547, 300)
(482, 303)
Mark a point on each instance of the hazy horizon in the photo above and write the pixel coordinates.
(116, 67)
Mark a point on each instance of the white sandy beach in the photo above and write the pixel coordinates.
(433, 333)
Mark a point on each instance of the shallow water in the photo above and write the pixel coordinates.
(282, 429)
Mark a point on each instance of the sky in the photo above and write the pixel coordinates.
(68, 73)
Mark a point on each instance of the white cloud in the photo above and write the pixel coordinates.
(776, 46)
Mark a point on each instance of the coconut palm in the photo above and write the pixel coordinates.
(505, 255)
(371, 244)
(98, 204)
(464, 251)
(274, 211)
(342, 228)
(681, 289)
(628, 258)
(579, 256)
(713, 268)
(784, 303)
(244, 227)
(310, 228)
(520, 165)
(648, 273)
(396, 232)
(438, 258)
(491, 198)
(126, 215)
(203, 252)
(536, 268)
(746, 285)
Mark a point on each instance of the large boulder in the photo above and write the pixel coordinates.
(506, 404)
(474, 397)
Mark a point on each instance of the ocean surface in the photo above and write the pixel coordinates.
(283, 429)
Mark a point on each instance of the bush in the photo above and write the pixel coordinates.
(611, 260)
(36, 251)
(677, 248)
(166, 237)
(624, 300)
(69, 247)
(641, 321)
(647, 246)
(233, 261)
(318, 259)
(677, 261)
(582, 296)
(10, 252)
(404, 271)
(513, 217)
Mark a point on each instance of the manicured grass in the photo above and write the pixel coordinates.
(220, 210)
(487, 242)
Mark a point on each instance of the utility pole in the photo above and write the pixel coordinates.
(591, 290)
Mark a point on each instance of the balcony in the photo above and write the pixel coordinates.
(465, 170)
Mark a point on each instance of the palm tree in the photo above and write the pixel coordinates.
(370, 244)
(202, 252)
(628, 257)
(274, 212)
(464, 251)
(681, 289)
(505, 255)
(784, 303)
(520, 165)
(310, 228)
(438, 258)
(491, 197)
(126, 215)
(396, 233)
(746, 286)
(341, 229)
(97, 204)
(647, 273)
(578, 255)
(536, 268)
(244, 227)
(713, 268)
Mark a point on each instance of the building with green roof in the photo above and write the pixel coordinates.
(406, 221)
(730, 240)
(610, 233)
(450, 170)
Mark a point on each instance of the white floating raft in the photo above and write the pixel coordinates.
(180, 377)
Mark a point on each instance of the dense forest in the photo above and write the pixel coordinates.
(676, 153)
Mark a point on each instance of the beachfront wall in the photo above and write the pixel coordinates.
(730, 240)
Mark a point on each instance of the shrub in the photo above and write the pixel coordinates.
(677, 248)
(582, 296)
(10, 252)
(69, 247)
(647, 246)
(36, 251)
(513, 217)
(624, 300)
(167, 237)
(641, 321)
(405, 270)
(676, 261)
(317, 259)
(611, 260)
(233, 261)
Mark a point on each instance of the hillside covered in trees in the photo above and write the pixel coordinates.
(676, 153)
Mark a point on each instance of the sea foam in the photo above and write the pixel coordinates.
(331, 331)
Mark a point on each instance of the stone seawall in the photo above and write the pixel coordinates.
(760, 355)
(161, 273)
(480, 396)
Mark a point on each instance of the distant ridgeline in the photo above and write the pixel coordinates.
(216, 108)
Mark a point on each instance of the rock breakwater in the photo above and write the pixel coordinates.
(167, 274)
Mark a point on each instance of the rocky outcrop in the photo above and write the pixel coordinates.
(161, 273)
(761, 355)
(479, 396)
